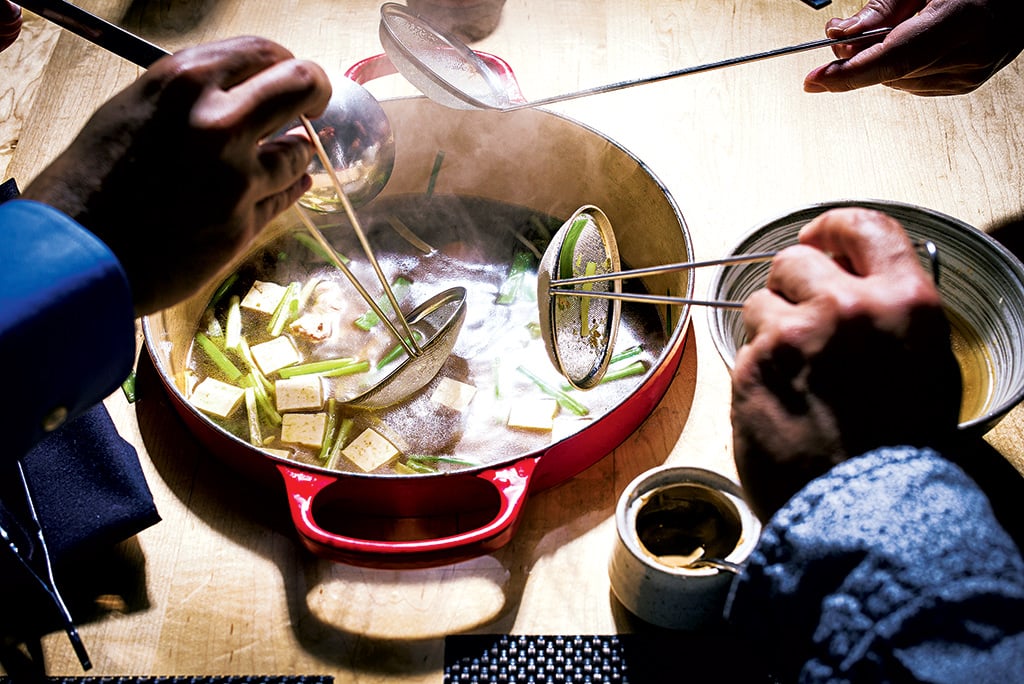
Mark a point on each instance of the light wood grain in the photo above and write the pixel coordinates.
(222, 587)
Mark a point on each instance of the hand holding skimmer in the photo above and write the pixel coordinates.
(579, 293)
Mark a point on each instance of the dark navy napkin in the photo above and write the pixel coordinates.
(8, 190)
(89, 493)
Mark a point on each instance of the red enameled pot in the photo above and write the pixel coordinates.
(530, 158)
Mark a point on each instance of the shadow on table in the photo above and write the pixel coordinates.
(1010, 233)
(320, 593)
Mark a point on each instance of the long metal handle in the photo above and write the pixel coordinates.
(45, 578)
(410, 344)
(768, 54)
(930, 250)
(97, 31)
(666, 268)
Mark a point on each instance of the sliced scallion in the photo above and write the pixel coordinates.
(561, 397)
(229, 369)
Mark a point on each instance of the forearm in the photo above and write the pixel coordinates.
(891, 563)
(67, 336)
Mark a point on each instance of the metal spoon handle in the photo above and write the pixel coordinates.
(647, 299)
(768, 54)
(410, 344)
(98, 31)
(927, 247)
(666, 268)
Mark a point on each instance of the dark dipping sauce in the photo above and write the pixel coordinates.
(680, 523)
(475, 241)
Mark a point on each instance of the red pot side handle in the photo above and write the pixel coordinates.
(379, 65)
(510, 483)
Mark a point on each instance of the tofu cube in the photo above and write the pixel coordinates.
(301, 393)
(276, 354)
(370, 450)
(263, 297)
(217, 398)
(280, 453)
(453, 394)
(305, 429)
(533, 414)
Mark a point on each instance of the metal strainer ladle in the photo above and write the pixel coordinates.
(448, 72)
(579, 293)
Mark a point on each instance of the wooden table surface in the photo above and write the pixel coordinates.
(221, 586)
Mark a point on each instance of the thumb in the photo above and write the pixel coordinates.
(10, 23)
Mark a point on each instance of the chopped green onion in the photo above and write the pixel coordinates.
(399, 288)
(635, 368)
(332, 421)
(128, 387)
(513, 285)
(222, 362)
(565, 254)
(440, 459)
(255, 433)
(246, 353)
(286, 310)
(409, 236)
(438, 160)
(345, 365)
(315, 247)
(223, 289)
(344, 428)
(233, 326)
(307, 292)
(585, 304)
(397, 350)
(211, 326)
(627, 353)
(403, 469)
(416, 466)
(351, 369)
(263, 398)
(561, 397)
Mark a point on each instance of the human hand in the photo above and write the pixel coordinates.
(10, 24)
(848, 350)
(176, 173)
(936, 47)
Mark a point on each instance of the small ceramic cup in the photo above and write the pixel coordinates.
(667, 518)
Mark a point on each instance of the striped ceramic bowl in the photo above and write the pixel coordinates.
(981, 281)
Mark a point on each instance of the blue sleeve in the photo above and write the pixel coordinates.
(67, 330)
(890, 567)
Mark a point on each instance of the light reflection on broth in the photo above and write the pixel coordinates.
(976, 365)
(475, 241)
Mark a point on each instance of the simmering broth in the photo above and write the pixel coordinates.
(975, 361)
(462, 241)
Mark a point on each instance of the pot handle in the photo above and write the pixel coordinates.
(304, 486)
(380, 65)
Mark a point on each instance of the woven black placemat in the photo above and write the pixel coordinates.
(653, 658)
